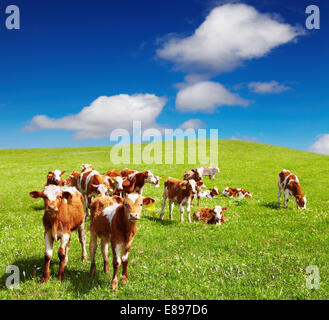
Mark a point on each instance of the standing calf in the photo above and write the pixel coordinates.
(63, 213)
(181, 192)
(116, 224)
(290, 184)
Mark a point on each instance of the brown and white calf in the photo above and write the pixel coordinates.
(209, 171)
(289, 183)
(209, 194)
(115, 224)
(63, 214)
(55, 177)
(211, 216)
(114, 180)
(236, 193)
(180, 192)
(135, 181)
(195, 174)
(91, 184)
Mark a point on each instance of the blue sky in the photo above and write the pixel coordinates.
(67, 54)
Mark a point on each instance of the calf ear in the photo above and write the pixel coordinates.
(66, 194)
(36, 194)
(126, 183)
(62, 173)
(95, 186)
(147, 201)
(224, 209)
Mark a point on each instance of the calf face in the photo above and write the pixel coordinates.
(54, 177)
(52, 196)
(219, 215)
(133, 206)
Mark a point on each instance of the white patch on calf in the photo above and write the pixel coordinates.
(119, 182)
(118, 251)
(102, 189)
(57, 175)
(52, 192)
(193, 184)
(133, 196)
(110, 211)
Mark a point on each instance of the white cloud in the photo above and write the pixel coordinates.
(230, 34)
(192, 124)
(105, 114)
(205, 96)
(267, 87)
(321, 145)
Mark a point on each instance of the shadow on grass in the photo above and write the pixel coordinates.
(80, 280)
(38, 207)
(271, 205)
(164, 222)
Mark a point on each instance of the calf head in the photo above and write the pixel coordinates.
(219, 215)
(74, 178)
(197, 174)
(100, 189)
(301, 201)
(52, 196)
(54, 177)
(133, 206)
(86, 167)
(150, 178)
(214, 191)
(115, 182)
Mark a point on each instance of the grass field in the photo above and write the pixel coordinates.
(261, 252)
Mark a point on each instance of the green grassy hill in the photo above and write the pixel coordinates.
(261, 252)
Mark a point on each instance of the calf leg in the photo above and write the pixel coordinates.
(188, 210)
(181, 210)
(92, 251)
(116, 249)
(125, 264)
(105, 252)
(82, 238)
(171, 207)
(48, 255)
(86, 206)
(62, 254)
(286, 198)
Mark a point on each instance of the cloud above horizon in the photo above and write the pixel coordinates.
(104, 115)
(205, 96)
(229, 35)
(321, 145)
(192, 124)
(267, 87)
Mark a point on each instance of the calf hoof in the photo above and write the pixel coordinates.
(124, 279)
(44, 279)
(61, 276)
(114, 284)
(84, 258)
(92, 270)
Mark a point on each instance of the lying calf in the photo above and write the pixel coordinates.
(236, 193)
(211, 216)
